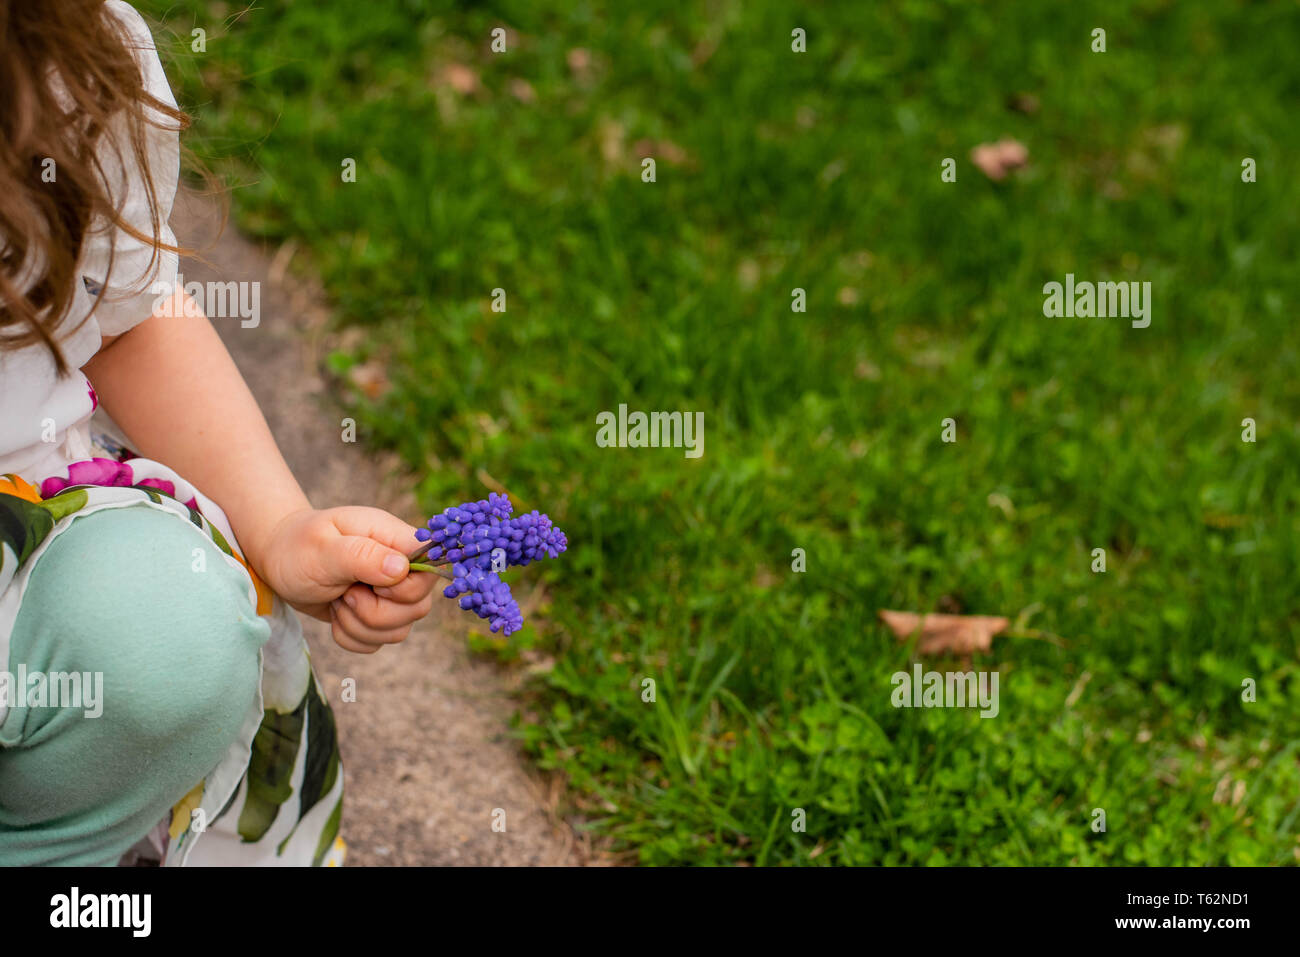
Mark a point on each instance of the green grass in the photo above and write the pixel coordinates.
(822, 430)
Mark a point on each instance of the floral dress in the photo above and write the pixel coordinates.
(275, 797)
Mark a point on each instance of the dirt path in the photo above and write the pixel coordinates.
(425, 745)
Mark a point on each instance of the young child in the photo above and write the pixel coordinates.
(156, 699)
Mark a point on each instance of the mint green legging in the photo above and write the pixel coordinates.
(121, 592)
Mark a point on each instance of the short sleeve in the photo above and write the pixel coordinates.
(140, 275)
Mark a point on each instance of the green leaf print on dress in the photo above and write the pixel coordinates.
(23, 526)
(65, 503)
(270, 770)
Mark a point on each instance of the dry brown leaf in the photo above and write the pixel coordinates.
(579, 60)
(371, 378)
(523, 91)
(1025, 103)
(611, 136)
(955, 634)
(866, 369)
(666, 150)
(704, 50)
(995, 160)
(463, 79)
(1168, 138)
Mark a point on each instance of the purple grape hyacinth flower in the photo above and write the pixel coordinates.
(487, 596)
(480, 539)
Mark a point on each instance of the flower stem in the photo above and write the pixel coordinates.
(436, 569)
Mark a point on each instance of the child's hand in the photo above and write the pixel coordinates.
(317, 560)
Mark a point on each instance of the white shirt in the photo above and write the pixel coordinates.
(43, 417)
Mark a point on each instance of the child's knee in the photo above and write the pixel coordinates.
(147, 609)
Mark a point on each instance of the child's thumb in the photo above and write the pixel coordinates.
(366, 560)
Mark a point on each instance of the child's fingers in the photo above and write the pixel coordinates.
(379, 612)
(410, 589)
(373, 547)
(347, 642)
(377, 524)
(353, 624)
(356, 558)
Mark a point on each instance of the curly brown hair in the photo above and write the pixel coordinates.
(68, 74)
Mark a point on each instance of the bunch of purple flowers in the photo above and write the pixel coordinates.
(479, 540)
